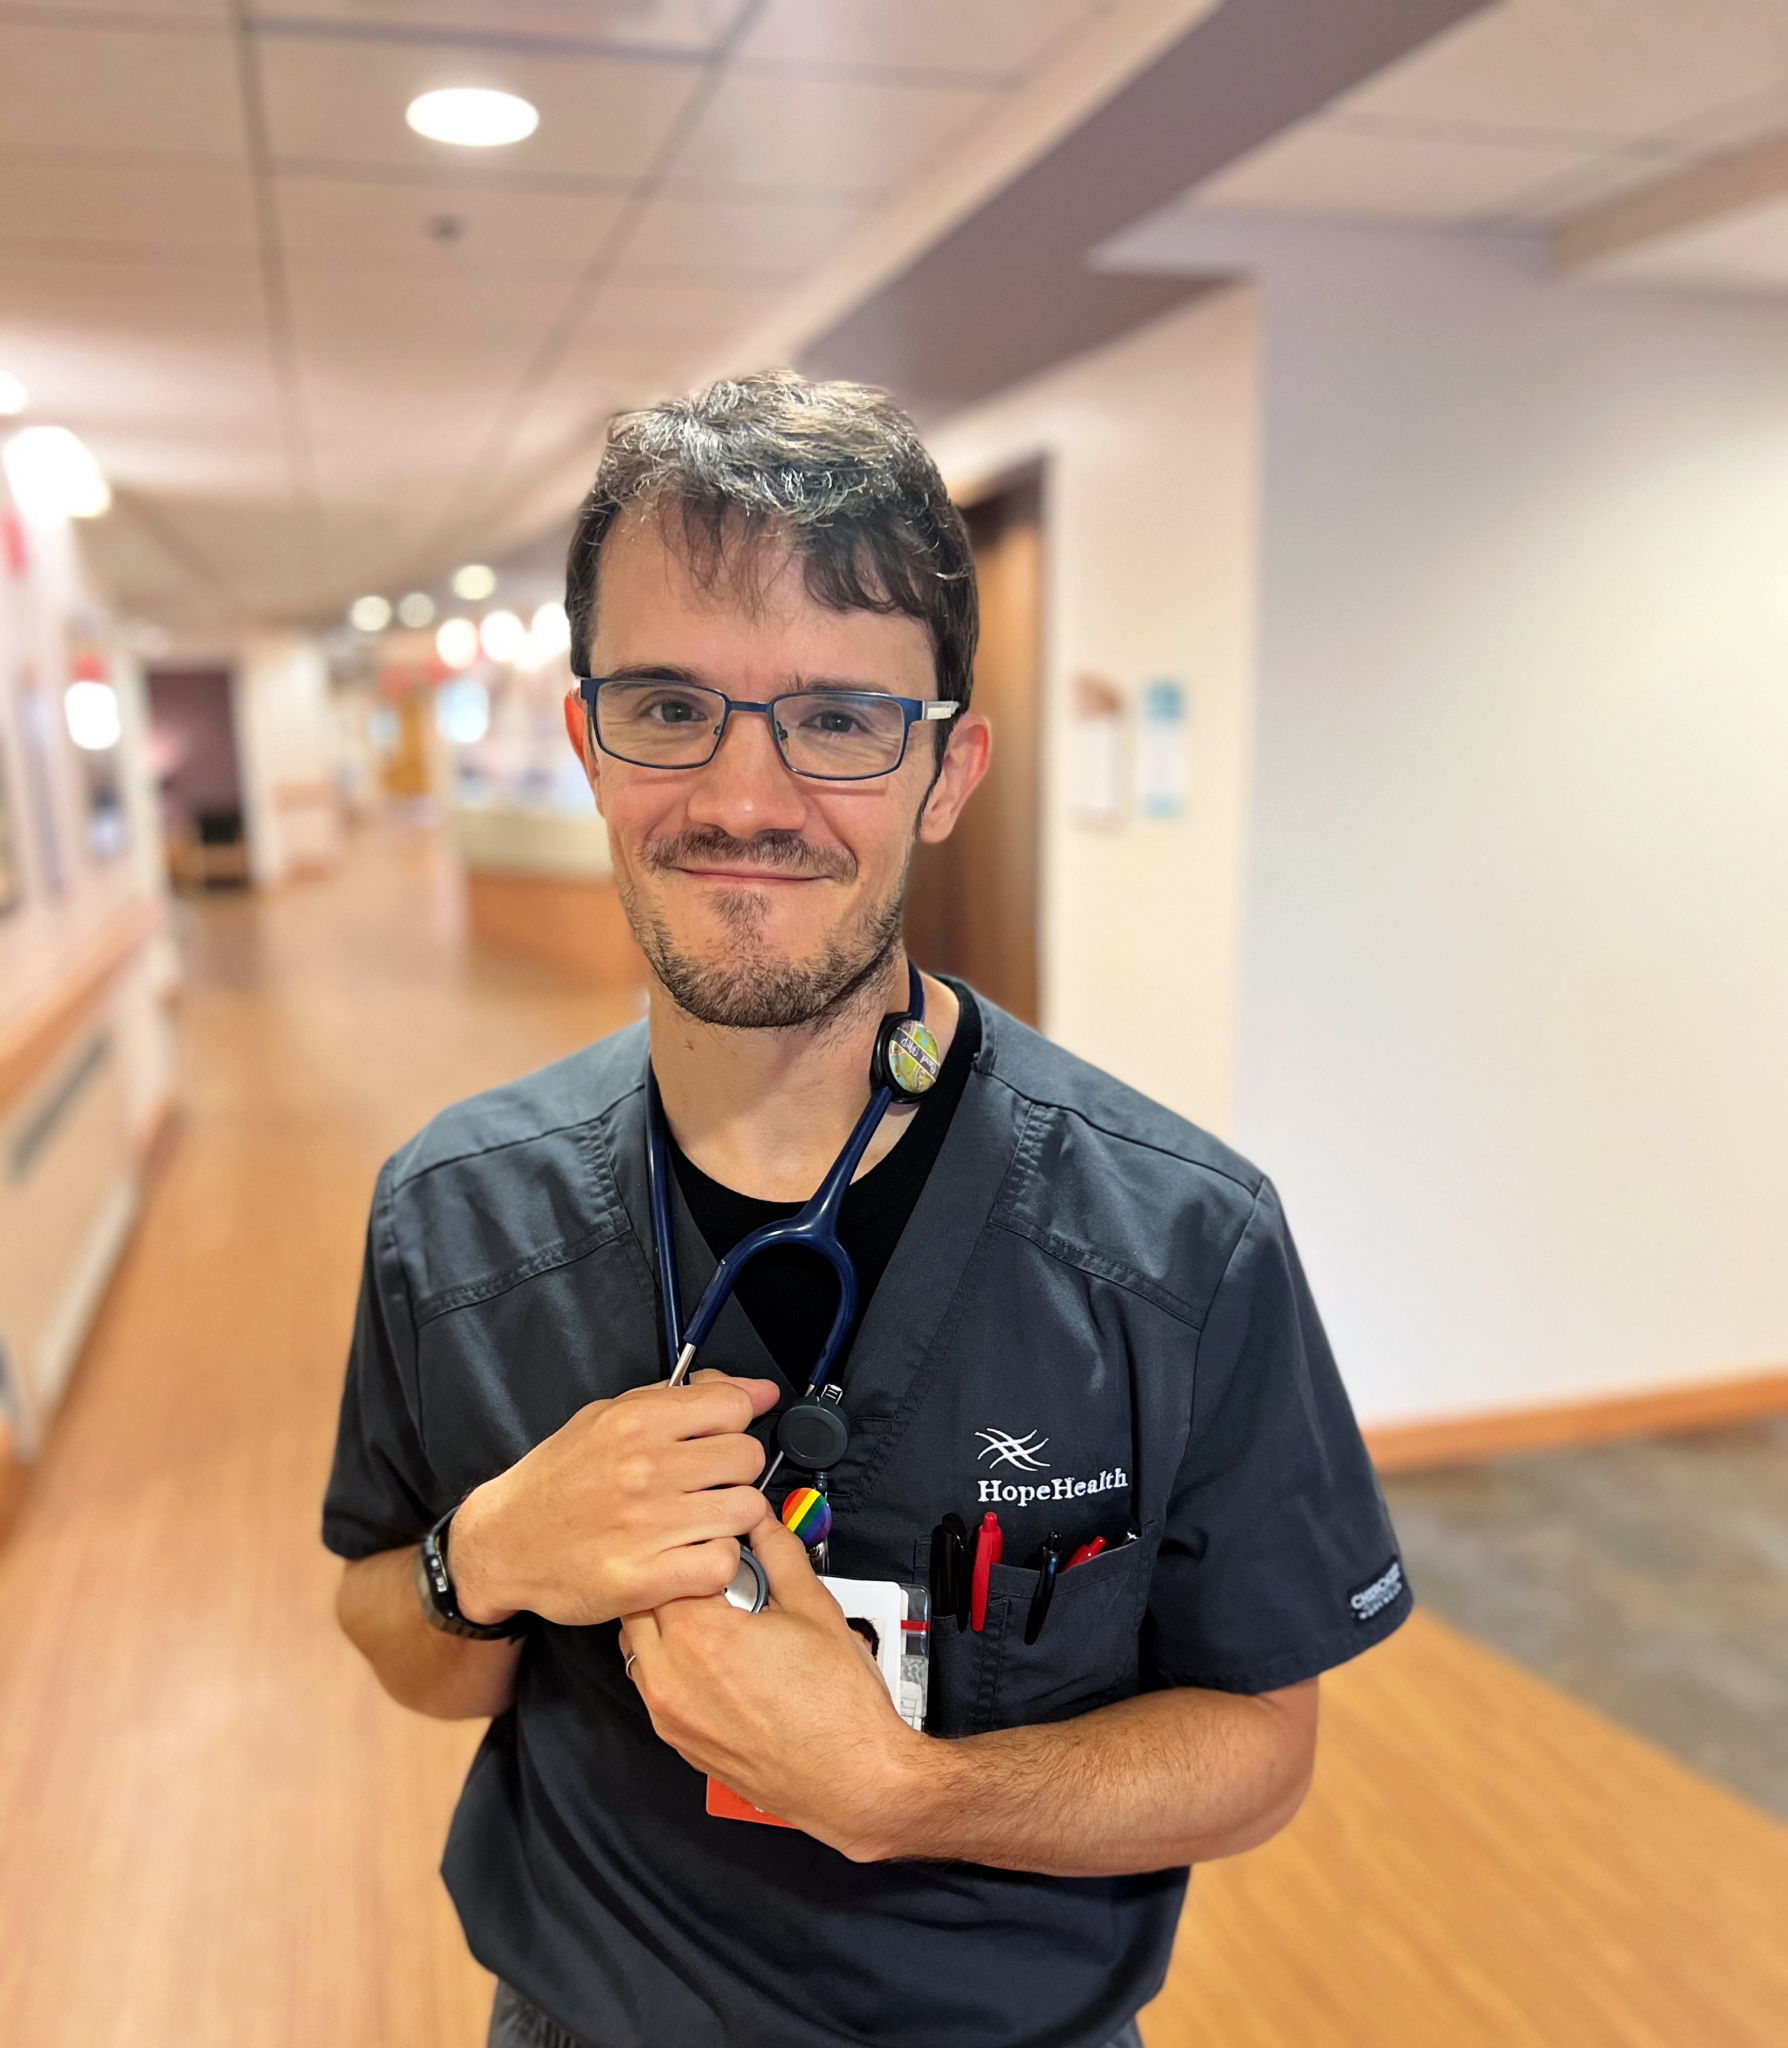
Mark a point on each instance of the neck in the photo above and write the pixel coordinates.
(766, 1112)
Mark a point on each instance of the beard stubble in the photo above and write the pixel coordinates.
(750, 990)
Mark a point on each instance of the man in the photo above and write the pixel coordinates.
(1081, 1318)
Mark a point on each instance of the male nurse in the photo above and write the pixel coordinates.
(1082, 1324)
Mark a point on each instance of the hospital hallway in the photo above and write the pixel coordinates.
(218, 1834)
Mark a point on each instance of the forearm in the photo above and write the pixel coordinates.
(451, 1677)
(1173, 1777)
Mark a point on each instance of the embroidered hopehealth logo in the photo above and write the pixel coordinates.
(1021, 1451)
(1373, 1599)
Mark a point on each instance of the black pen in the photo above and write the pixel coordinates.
(1040, 1599)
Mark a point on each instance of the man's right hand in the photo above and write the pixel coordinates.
(636, 1501)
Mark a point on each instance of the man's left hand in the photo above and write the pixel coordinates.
(786, 1707)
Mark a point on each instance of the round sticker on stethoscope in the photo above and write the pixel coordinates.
(912, 1058)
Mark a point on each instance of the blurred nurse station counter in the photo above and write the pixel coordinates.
(539, 884)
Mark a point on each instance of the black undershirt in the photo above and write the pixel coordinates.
(790, 1295)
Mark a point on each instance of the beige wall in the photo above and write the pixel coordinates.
(1151, 453)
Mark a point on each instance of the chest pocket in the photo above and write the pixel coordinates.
(1085, 1657)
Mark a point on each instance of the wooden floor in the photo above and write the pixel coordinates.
(215, 1833)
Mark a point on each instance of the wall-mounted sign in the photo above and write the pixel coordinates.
(1097, 748)
(1163, 749)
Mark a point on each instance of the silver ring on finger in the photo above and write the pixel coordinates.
(627, 1668)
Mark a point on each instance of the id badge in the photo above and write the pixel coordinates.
(894, 1621)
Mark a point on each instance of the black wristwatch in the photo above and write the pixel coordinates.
(440, 1604)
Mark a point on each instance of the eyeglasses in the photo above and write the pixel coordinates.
(830, 735)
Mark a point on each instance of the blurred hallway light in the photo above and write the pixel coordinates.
(416, 609)
(91, 710)
(13, 395)
(473, 117)
(474, 582)
(54, 476)
(549, 634)
(369, 614)
(462, 711)
(502, 636)
(457, 642)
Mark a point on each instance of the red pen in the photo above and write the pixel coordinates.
(1086, 1551)
(988, 1541)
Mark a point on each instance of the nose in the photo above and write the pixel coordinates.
(746, 789)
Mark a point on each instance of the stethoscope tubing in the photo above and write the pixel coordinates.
(814, 1229)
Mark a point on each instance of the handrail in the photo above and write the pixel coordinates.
(30, 1040)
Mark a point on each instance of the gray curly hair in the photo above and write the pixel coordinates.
(835, 471)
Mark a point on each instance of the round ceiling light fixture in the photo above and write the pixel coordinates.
(473, 117)
(474, 582)
(54, 476)
(369, 614)
(13, 395)
(417, 609)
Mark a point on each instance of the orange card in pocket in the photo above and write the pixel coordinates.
(725, 1804)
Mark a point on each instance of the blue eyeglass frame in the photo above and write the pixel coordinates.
(915, 711)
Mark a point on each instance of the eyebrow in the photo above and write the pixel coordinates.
(674, 672)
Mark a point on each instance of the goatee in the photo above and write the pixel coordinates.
(751, 991)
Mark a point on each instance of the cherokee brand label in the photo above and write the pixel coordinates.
(1376, 1597)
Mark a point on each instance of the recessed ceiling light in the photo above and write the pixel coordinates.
(54, 476)
(13, 394)
(417, 609)
(474, 582)
(369, 614)
(472, 116)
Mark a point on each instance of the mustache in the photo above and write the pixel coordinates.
(776, 852)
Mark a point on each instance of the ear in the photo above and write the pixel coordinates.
(966, 759)
(577, 731)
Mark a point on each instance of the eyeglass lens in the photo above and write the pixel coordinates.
(837, 734)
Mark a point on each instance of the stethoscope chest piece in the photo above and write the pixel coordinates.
(906, 1060)
(750, 1588)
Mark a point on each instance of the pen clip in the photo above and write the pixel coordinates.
(961, 1585)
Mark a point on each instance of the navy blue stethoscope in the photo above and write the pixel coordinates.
(812, 1432)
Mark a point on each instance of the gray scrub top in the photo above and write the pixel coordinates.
(1095, 1321)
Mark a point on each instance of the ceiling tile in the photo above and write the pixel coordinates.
(55, 203)
(1329, 168)
(1615, 69)
(997, 39)
(341, 103)
(678, 309)
(440, 310)
(448, 227)
(771, 237)
(836, 137)
(189, 294)
(683, 26)
(93, 92)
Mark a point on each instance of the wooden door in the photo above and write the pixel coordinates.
(971, 906)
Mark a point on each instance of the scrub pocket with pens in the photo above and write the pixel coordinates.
(1085, 1656)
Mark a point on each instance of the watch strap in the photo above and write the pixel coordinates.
(440, 1603)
